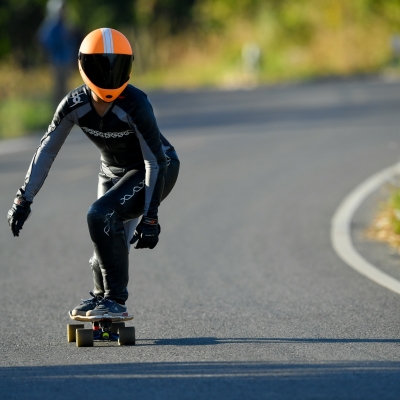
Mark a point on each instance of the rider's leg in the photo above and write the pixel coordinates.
(121, 203)
(98, 283)
(106, 226)
(105, 184)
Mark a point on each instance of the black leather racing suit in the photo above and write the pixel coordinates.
(139, 168)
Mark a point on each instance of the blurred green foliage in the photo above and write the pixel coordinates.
(394, 207)
(204, 42)
(272, 23)
(19, 22)
(385, 226)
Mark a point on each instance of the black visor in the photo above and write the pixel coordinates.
(107, 71)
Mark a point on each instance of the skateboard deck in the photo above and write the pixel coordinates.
(97, 318)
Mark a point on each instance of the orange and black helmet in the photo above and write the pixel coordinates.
(105, 62)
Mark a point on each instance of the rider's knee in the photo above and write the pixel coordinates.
(98, 212)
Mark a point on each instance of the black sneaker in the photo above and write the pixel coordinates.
(85, 306)
(108, 306)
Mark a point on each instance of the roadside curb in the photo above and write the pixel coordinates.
(341, 229)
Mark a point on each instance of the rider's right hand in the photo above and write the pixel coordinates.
(18, 214)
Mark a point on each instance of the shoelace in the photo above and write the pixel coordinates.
(105, 301)
(94, 298)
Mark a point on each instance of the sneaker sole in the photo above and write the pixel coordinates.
(76, 313)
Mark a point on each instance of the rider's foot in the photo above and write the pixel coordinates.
(85, 306)
(110, 307)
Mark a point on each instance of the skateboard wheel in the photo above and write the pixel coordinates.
(71, 331)
(116, 325)
(84, 338)
(127, 336)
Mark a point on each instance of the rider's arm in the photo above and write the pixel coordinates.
(144, 123)
(44, 156)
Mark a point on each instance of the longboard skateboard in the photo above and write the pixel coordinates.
(104, 328)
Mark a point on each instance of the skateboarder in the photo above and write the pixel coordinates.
(139, 167)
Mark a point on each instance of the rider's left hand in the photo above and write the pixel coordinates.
(146, 233)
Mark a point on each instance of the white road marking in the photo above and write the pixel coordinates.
(341, 229)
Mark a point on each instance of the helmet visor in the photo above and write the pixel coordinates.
(107, 71)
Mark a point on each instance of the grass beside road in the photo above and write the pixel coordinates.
(386, 225)
(25, 105)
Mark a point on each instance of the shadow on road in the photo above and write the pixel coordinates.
(205, 380)
(207, 341)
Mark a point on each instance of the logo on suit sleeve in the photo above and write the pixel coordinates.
(75, 98)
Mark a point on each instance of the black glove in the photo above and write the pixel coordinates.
(146, 233)
(18, 214)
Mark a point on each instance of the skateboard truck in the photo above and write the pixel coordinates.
(102, 330)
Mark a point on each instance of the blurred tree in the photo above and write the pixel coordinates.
(93, 14)
(19, 21)
(388, 10)
(172, 16)
(165, 29)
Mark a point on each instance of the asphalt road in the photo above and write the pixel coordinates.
(244, 297)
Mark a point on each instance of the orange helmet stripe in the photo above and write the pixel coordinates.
(121, 44)
(93, 43)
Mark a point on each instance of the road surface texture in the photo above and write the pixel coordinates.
(244, 297)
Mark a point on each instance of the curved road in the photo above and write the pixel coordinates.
(244, 297)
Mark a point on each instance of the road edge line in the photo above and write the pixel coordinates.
(341, 229)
